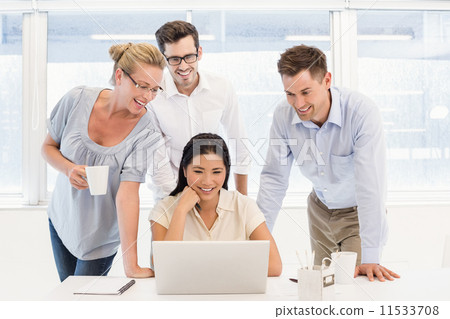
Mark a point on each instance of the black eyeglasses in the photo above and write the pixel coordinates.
(155, 90)
(176, 60)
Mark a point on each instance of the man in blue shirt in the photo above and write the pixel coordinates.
(336, 138)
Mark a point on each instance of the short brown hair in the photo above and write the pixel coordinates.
(128, 56)
(173, 31)
(303, 57)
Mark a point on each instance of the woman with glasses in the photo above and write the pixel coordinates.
(201, 207)
(98, 126)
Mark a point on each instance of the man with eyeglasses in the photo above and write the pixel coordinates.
(194, 102)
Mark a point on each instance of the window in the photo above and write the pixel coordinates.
(11, 103)
(78, 45)
(245, 47)
(402, 58)
(236, 44)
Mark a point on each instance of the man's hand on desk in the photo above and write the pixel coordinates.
(375, 269)
(139, 272)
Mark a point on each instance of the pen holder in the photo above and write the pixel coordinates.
(316, 283)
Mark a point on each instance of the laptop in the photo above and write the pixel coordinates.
(211, 267)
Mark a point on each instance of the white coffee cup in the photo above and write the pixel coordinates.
(97, 178)
(344, 266)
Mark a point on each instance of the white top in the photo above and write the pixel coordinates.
(211, 108)
(87, 225)
(238, 218)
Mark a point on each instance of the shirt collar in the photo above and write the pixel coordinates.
(168, 85)
(170, 88)
(203, 83)
(225, 202)
(333, 117)
(295, 117)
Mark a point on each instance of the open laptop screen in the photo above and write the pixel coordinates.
(211, 267)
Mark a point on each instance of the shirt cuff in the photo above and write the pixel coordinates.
(371, 255)
(132, 178)
(52, 132)
(240, 169)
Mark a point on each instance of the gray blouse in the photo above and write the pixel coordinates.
(87, 225)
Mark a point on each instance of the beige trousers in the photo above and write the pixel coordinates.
(332, 229)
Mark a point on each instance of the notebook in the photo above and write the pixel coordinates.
(211, 267)
(106, 286)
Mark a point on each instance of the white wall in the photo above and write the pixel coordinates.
(27, 268)
(416, 235)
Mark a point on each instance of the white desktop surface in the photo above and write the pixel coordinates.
(414, 285)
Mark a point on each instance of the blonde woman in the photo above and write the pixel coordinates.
(99, 126)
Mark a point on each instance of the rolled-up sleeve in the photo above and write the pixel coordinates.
(161, 179)
(162, 213)
(61, 113)
(144, 158)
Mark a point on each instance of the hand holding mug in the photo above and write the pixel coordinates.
(77, 177)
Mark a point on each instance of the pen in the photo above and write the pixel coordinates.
(308, 261)
(299, 259)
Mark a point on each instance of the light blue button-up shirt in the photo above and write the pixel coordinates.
(345, 160)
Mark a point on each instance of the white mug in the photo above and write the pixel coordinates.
(97, 178)
(344, 266)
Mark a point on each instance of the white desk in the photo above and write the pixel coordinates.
(414, 285)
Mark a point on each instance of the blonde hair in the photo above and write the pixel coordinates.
(128, 56)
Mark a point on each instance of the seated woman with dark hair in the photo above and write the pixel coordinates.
(201, 207)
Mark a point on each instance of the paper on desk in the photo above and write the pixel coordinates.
(106, 286)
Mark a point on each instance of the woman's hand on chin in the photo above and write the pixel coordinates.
(188, 199)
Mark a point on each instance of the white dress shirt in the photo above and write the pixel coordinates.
(211, 108)
(345, 160)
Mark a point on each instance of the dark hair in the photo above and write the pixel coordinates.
(173, 31)
(200, 144)
(303, 57)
